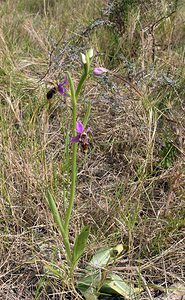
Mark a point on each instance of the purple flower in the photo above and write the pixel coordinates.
(99, 70)
(81, 136)
(62, 88)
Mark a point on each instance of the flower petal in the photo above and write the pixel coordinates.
(61, 87)
(88, 129)
(99, 70)
(64, 81)
(75, 139)
(79, 127)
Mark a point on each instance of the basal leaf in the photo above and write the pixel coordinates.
(100, 259)
(80, 244)
(115, 284)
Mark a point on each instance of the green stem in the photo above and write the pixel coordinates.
(74, 153)
(72, 193)
(74, 98)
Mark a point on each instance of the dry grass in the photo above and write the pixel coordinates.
(131, 185)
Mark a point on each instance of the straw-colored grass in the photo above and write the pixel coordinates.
(131, 186)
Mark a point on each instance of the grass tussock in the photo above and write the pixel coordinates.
(131, 186)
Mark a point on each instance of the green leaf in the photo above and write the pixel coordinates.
(98, 280)
(88, 285)
(58, 220)
(54, 270)
(80, 244)
(115, 284)
(87, 114)
(72, 89)
(104, 256)
(100, 259)
(54, 210)
(90, 294)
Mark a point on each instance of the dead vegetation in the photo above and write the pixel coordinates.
(131, 186)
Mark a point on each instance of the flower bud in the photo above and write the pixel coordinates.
(90, 52)
(83, 58)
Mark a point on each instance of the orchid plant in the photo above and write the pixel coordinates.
(97, 278)
(80, 136)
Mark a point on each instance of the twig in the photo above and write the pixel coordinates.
(131, 86)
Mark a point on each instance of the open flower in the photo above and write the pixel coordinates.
(82, 136)
(61, 87)
(99, 70)
(81, 133)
